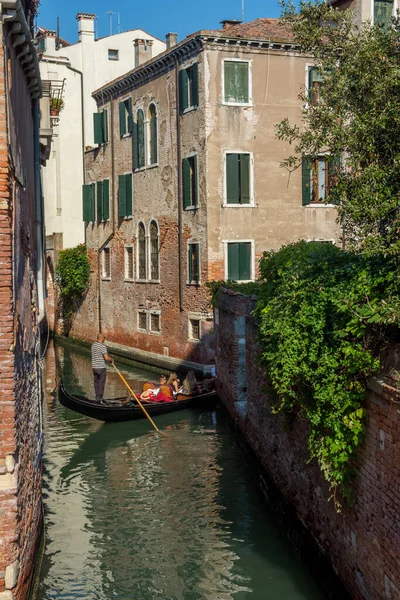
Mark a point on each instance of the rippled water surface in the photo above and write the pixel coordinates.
(131, 514)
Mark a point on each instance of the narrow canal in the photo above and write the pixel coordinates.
(135, 515)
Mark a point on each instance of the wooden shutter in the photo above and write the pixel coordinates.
(92, 193)
(306, 167)
(140, 139)
(106, 199)
(244, 174)
(122, 119)
(186, 183)
(122, 196)
(183, 90)
(196, 265)
(135, 154)
(128, 187)
(105, 125)
(242, 81)
(195, 85)
(86, 203)
(244, 261)
(232, 178)
(129, 115)
(98, 128)
(195, 189)
(153, 136)
(99, 200)
(233, 261)
(190, 263)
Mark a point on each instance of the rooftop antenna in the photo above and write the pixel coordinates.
(111, 13)
(243, 11)
(58, 34)
(119, 24)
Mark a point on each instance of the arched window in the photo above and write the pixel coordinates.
(142, 271)
(152, 116)
(154, 251)
(140, 139)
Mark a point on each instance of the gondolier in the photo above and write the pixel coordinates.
(99, 358)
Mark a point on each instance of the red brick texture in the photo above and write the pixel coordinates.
(363, 542)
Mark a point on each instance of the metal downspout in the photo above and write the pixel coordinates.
(114, 213)
(38, 213)
(179, 160)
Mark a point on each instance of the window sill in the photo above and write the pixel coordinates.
(154, 281)
(249, 205)
(188, 110)
(240, 104)
(106, 278)
(195, 207)
(126, 218)
(126, 135)
(128, 280)
(194, 340)
(146, 167)
(142, 330)
(155, 332)
(142, 281)
(319, 205)
(193, 283)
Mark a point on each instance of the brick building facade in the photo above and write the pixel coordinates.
(184, 184)
(362, 543)
(21, 300)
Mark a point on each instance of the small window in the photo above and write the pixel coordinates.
(125, 117)
(155, 322)
(236, 82)
(239, 261)
(190, 185)
(189, 88)
(100, 125)
(194, 264)
(318, 177)
(152, 123)
(129, 263)
(142, 270)
(142, 320)
(106, 264)
(383, 12)
(315, 85)
(194, 329)
(42, 44)
(154, 252)
(113, 54)
(238, 179)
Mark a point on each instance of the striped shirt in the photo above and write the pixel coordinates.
(98, 352)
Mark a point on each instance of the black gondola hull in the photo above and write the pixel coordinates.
(115, 413)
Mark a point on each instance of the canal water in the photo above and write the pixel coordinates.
(130, 514)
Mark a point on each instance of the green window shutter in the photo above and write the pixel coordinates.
(186, 182)
(98, 128)
(122, 119)
(232, 178)
(129, 115)
(233, 261)
(86, 203)
(122, 196)
(244, 174)
(135, 154)
(106, 199)
(195, 199)
(140, 139)
(99, 200)
(383, 11)
(244, 261)
(105, 125)
(333, 170)
(242, 81)
(306, 167)
(195, 85)
(190, 263)
(197, 263)
(183, 90)
(153, 138)
(128, 187)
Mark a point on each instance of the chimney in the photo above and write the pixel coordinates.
(171, 39)
(228, 23)
(143, 51)
(85, 26)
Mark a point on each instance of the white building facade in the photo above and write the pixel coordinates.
(74, 71)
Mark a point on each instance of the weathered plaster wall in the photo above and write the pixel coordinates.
(362, 542)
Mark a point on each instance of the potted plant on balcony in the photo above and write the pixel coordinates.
(56, 105)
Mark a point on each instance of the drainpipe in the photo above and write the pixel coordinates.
(38, 213)
(179, 159)
(83, 121)
(114, 213)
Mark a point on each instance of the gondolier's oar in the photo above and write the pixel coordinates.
(137, 399)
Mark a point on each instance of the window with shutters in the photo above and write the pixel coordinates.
(155, 321)
(194, 329)
(238, 179)
(142, 320)
(100, 126)
(138, 142)
(239, 262)
(193, 263)
(125, 196)
(103, 200)
(154, 252)
(236, 82)
(88, 202)
(128, 263)
(314, 85)
(190, 182)
(106, 263)
(189, 88)
(141, 249)
(125, 117)
(152, 135)
(319, 174)
(383, 12)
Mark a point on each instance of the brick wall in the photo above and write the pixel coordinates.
(363, 542)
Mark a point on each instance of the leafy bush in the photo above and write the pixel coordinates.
(72, 276)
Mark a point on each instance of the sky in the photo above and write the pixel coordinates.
(156, 17)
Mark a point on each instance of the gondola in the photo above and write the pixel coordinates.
(113, 410)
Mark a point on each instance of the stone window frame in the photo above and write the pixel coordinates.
(110, 56)
(193, 242)
(138, 256)
(150, 313)
(243, 60)
(142, 311)
(195, 317)
(104, 275)
(128, 247)
(128, 116)
(252, 257)
(149, 249)
(148, 138)
(251, 204)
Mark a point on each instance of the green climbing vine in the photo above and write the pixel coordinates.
(72, 276)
